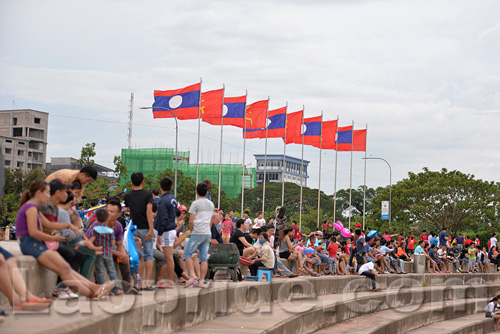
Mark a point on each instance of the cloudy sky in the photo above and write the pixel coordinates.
(423, 75)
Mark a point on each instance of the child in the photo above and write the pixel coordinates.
(472, 258)
(332, 255)
(227, 225)
(200, 220)
(105, 240)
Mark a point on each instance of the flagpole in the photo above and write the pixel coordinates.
(319, 179)
(244, 147)
(220, 150)
(198, 149)
(364, 186)
(301, 170)
(284, 159)
(265, 162)
(335, 182)
(350, 178)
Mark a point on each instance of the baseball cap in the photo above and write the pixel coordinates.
(182, 208)
(57, 184)
(357, 225)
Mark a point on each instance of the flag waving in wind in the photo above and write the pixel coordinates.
(211, 103)
(276, 125)
(184, 102)
(233, 112)
(311, 129)
(294, 124)
(328, 133)
(356, 137)
(255, 115)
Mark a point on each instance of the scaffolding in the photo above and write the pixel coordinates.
(156, 160)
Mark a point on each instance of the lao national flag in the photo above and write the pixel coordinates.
(344, 138)
(211, 103)
(276, 125)
(357, 138)
(311, 132)
(328, 133)
(294, 124)
(184, 102)
(233, 112)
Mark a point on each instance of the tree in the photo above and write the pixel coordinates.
(88, 152)
(120, 167)
(432, 199)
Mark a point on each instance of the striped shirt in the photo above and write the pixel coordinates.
(104, 240)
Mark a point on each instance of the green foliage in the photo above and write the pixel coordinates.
(432, 200)
(120, 167)
(88, 152)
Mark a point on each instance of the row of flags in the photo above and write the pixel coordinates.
(255, 118)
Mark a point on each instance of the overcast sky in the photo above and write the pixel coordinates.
(423, 75)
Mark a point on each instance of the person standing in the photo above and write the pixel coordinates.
(165, 224)
(140, 203)
(200, 219)
(442, 237)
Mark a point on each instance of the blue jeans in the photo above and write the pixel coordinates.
(198, 242)
(147, 245)
(105, 261)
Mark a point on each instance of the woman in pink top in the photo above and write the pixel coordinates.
(33, 241)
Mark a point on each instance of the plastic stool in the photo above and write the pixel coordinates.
(264, 271)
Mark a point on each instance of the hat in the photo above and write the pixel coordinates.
(182, 208)
(357, 225)
(57, 184)
(318, 233)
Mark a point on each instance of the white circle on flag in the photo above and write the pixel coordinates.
(175, 101)
(269, 122)
(225, 110)
(304, 129)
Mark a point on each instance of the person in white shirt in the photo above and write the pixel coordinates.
(490, 311)
(259, 221)
(493, 241)
(368, 270)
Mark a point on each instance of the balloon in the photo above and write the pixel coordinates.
(346, 233)
(337, 226)
(340, 224)
(130, 247)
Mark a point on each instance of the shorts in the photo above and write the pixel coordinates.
(32, 246)
(464, 260)
(489, 315)
(199, 242)
(225, 235)
(147, 245)
(438, 262)
(5, 254)
(168, 238)
(285, 255)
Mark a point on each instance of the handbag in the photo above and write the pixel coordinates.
(52, 245)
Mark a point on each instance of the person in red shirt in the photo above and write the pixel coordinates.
(423, 236)
(477, 242)
(325, 226)
(332, 255)
(411, 244)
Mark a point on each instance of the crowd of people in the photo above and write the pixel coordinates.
(50, 228)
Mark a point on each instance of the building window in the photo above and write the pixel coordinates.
(20, 152)
(30, 154)
(14, 121)
(20, 142)
(7, 163)
(17, 132)
(20, 164)
(8, 151)
(29, 165)
(8, 141)
(37, 120)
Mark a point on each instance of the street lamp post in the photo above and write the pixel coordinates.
(176, 140)
(390, 185)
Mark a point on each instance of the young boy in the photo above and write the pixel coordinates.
(332, 255)
(472, 258)
(200, 221)
(101, 237)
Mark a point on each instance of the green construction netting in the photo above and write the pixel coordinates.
(156, 160)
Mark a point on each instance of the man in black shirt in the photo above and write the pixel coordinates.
(360, 248)
(140, 204)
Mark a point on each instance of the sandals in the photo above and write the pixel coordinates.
(105, 289)
(164, 286)
(132, 291)
(150, 288)
(191, 282)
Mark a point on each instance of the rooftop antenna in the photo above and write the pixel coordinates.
(131, 118)
(14, 105)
